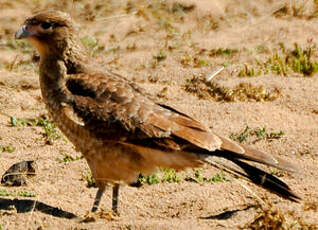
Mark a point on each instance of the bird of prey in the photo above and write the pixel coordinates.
(121, 130)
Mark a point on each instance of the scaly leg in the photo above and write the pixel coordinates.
(115, 198)
(98, 197)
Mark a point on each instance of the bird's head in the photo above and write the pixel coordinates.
(49, 32)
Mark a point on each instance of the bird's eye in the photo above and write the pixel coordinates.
(46, 25)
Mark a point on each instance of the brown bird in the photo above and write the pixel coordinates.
(120, 130)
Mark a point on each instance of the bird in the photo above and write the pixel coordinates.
(119, 128)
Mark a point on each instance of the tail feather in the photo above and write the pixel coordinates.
(240, 168)
(251, 154)
(266, 180)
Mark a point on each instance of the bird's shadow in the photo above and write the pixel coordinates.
(25, 205)
(227, 214)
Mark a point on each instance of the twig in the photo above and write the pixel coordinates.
(211, 76)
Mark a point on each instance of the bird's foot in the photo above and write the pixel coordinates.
(101, 214)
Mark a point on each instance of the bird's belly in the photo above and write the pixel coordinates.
(108, 161)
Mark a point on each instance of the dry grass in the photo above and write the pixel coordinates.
(241, 92)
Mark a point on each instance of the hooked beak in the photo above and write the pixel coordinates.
(23, 32)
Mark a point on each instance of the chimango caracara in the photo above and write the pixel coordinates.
(120, 130)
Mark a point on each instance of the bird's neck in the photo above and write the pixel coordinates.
(53, 72)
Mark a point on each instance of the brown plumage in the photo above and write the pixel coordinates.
(119, 129)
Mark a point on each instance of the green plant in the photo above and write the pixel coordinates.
(148, 179)
(249, 72)
(163, 175)
(227, 52)
(92, 45)
(170, 176)
(51, 132)
(68, 158)
(7, 148)
(260, 134)
(4, 192)
(90, 180)
(160, 56)
(198, 178)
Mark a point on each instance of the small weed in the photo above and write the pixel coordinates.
(283, 61)
(227, 52)
(148, 179)
(4, 192)
(301, 60)
(260, 134)
(163, 93)
(275, 135)
(298, 60)
(194, 61)
(249, 72)
(170, 176)
(51, 133)
(298, 9)
(241, 137)
(92, 45)
(219, 177)
(7, 148)
(198, 178)
(68, 158)
(277, 64)
(163, 175)
(160, 56)
(276, 172)
(90, 180)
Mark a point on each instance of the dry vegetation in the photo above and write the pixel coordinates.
(269, 52)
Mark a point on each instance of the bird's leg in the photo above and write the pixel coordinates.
(98, 197)
(115, 198)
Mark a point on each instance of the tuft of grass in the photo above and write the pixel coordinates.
(284, 61)
(194, 61)
(298, 60)
(241, 137)
(7, 148)
(225, 52)
(198, 178)
(51, 132)
(163, 175)
(241, 92)
(260, 134)
(270, 217)
(247, 71)
(160, 56)
(92, 45)
(50, 129)
(148, 179)
(298, 9)
(4, 192)
(90, 180)
(163, 93)
(170, 176)
(68, 158)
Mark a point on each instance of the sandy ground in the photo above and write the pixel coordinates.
(130, 35)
